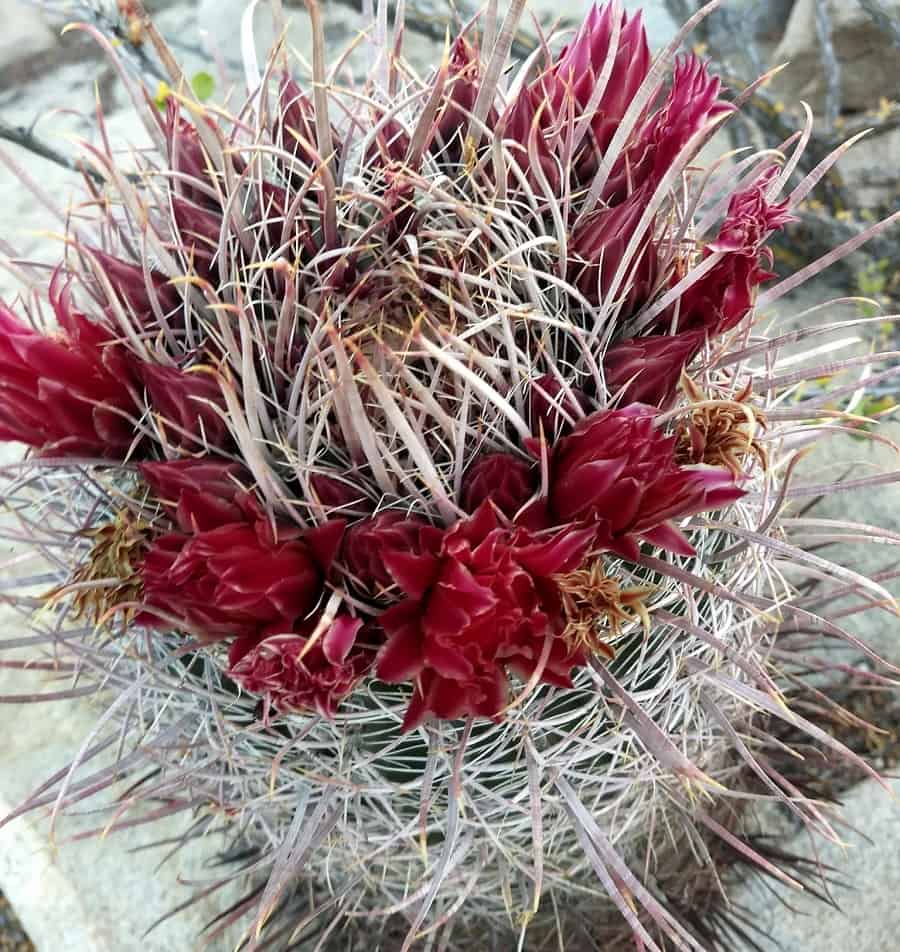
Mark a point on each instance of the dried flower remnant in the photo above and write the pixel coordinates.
(311, 672)
(720, 432)
(109, 579)
(597, 608)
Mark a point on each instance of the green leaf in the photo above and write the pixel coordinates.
(203, 85)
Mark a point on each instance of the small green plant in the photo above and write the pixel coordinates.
(872, 282)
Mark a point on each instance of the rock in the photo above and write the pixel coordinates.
(95, 895)
(870, 63)
(870, 169)
(770, 18)
(866, 915)
(25, 33)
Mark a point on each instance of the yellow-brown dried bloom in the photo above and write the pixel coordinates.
(109, 577)
(597, 607)
(720, 432)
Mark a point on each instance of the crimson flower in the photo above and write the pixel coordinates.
(292, 672)
(67, 394)
(378, 551)
(617, 472)
(751, 217)
(338, 495)
(131, 287)
(723, 297)
(691, 104)
(647, 369)
(596, 249)
(237, 579)
(272, 213)
(202, 494)
(576, 71)
(187, 405)
(464, 71)
(194, 175)
(198, 232)
(525, 122)
(480, 605)
(507, 481)
(295, 129)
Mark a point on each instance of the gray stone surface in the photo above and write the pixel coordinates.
(872, 168)
(25, 32)
(95, 895)
(867, 917)
(870, 64)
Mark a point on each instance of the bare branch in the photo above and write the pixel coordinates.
(25, 138)
(829, 64)
(883, 20)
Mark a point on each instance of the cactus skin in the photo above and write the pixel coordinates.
(456, 464)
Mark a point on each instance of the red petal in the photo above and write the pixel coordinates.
(413, 573)
(666, 536)
(401, 657)
(340, 638)
(324, 541)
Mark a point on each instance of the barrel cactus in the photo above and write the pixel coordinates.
(410, 464)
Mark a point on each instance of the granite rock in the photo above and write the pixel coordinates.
(869, 60)
(865, 916)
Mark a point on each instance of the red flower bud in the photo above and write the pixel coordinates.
(459, 100)
(691, 104)
(201, 494)
(554, 410)
(526, 122)
(130, 285)
(618, 472)
(295, 129)
(195, 176)
(647, 369)
(187, 405)
(506, 480)
(233, 581)
(596, 250)
(751, 218)
(723, 297)
(340, 496)
(198, 234)
(391, 548)
(69, 394)
(578, 68)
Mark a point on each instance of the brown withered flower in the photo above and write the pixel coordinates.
(719, 432)
(597, 607)
(109, 577)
